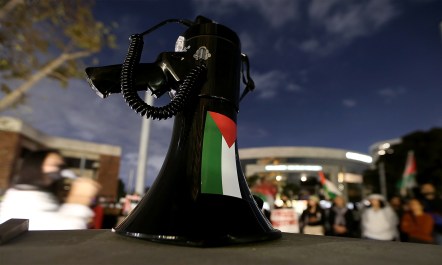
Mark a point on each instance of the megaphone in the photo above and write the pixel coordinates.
(200, 196)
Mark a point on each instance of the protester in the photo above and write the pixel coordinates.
(433, 206)
(379, 221)
(313, 218)
(417, 224)
(34, 194)
(340, 219)
(398, 206)
(98, 219)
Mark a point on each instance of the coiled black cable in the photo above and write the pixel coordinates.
(192, 80)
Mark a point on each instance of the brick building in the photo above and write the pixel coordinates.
(98, 161)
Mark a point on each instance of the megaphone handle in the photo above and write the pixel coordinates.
(246, 79)
(193, 79)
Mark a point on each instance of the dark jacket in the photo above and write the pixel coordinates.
(307, 216)
(349, 223)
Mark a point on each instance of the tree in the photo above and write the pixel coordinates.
(427, 147)
(45, 39)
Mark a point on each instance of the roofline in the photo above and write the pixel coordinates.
(16, 125)
(375, 146)
(294, 151)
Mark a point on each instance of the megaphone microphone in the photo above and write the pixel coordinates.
(200, 196)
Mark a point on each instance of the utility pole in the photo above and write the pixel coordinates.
(382, 179)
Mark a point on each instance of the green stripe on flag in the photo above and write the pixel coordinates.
(211, 179)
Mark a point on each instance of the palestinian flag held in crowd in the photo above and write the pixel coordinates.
(219, 173)
(330, 189)
(408, 181)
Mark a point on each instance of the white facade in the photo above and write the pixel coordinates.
(296, 165)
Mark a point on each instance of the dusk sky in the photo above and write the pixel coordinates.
(328, 73)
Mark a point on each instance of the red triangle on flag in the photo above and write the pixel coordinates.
(226, 126)
(410, 167)
(322, 177)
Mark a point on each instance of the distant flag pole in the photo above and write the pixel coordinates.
(329, 188)
(409, 176)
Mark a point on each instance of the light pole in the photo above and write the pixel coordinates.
(142, 152)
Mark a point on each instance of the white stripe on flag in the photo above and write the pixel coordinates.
(228, 170)
(331, 187)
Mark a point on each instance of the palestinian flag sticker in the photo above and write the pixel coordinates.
(219, 173)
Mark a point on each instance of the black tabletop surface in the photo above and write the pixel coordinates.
(105, 247)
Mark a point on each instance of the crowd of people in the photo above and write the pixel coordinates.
(417, 219)
(37, 193)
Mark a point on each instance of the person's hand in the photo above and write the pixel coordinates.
(83, 191)
(312, 219)
(340, 229)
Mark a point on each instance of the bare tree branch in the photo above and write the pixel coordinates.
(9, 6)
(38, 41)
(11, 98)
